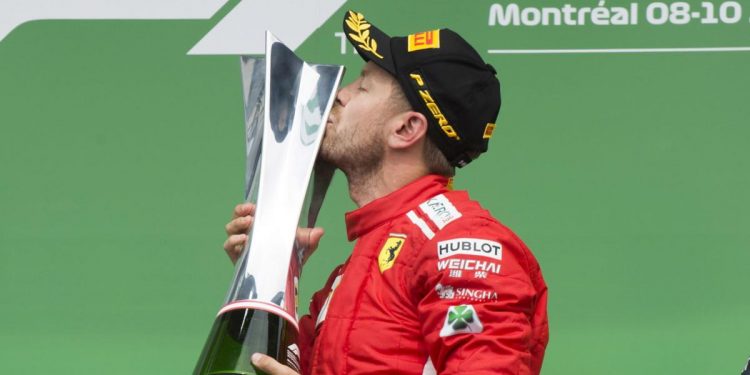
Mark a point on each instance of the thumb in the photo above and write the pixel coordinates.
(270, 365)
(315, 235)
(308, 239)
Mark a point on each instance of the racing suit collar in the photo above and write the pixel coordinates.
(366, 218)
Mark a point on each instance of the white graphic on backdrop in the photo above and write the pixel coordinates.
(241, 32)
(16, 12)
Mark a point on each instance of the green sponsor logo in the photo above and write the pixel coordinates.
(461, 319)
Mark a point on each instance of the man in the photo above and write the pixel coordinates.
(434, 284)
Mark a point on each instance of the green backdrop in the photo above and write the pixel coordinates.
(121, 158)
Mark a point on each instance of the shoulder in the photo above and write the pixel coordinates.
(456, 237)
(454, 214)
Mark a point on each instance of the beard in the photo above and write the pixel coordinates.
(356, 150)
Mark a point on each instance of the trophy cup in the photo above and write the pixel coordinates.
(287, 102)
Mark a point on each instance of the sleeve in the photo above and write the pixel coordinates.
(477, 301)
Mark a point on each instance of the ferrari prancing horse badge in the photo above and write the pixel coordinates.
(390, 251)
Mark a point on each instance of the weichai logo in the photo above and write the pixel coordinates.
(469, 265)
(424, 93)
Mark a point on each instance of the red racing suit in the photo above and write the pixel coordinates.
(434, 285)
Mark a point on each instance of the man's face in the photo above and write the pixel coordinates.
(355, 136)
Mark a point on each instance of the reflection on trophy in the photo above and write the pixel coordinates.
(287, 102)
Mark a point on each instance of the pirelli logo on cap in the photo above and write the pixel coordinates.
(424, 40)
(488, 130)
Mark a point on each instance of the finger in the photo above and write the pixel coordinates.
(234, 245)
(243, 209)
(239, 225)
(270, 365)
(235, 240)
(308, 239)
(314, 237)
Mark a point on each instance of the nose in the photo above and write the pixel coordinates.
(339, 101)
(344, 94)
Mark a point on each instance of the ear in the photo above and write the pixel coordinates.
(406, 129)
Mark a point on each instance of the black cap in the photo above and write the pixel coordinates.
(443, 77)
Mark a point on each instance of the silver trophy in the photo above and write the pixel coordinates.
(287, 102)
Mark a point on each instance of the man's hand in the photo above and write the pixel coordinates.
(270, 365)
(242, 219)
(237, 228)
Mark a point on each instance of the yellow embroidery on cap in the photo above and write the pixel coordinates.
(488, 130)
(361, 33)
(390, 251)
(434, 109)
(417, 78)
(424, 40)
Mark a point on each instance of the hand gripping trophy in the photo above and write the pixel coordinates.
(287, 102)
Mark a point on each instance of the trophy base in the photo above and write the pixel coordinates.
(238, 334)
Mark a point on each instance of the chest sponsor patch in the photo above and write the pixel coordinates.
(481, 268)
(390, 251)
(453, 292)
(470, 246)
(440, 210)
(461, 319)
